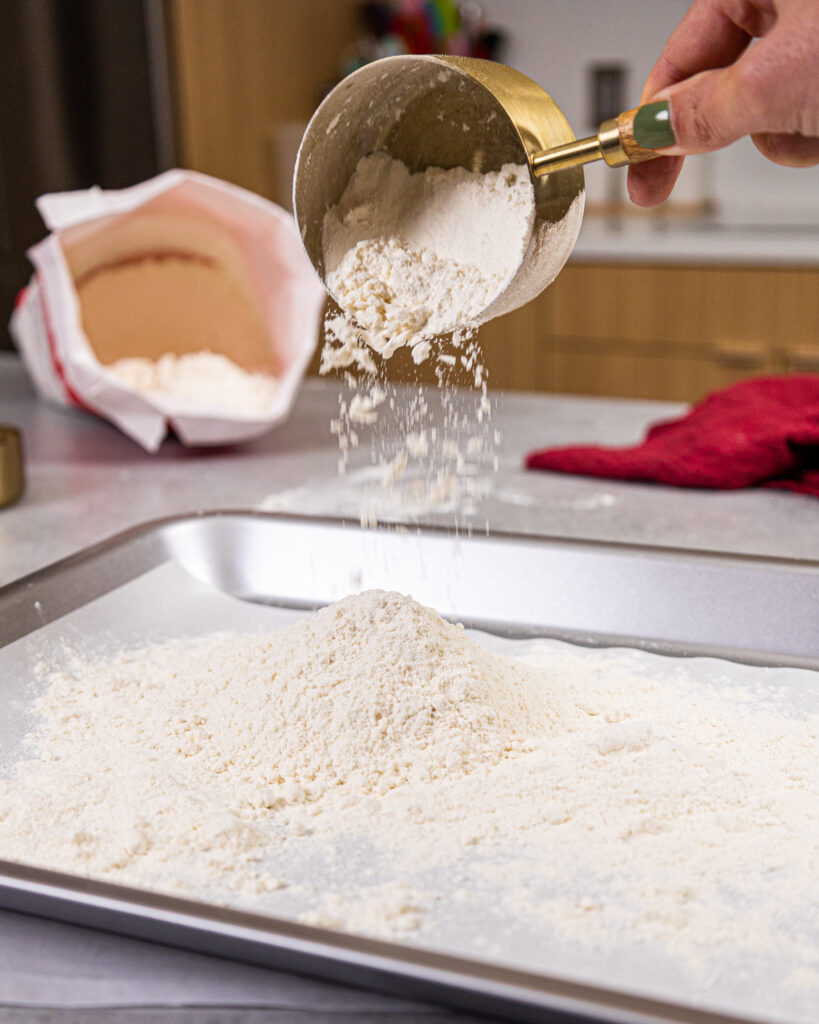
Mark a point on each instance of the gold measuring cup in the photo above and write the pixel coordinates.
(448, 112)
(11, 465)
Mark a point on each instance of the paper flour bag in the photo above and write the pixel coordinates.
(182, 303)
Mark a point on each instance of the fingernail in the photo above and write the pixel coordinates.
(652, 126)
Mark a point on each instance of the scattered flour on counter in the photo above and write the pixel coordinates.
(205, 379)
(583, 793)
(366, 493)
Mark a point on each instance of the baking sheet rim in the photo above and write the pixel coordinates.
(392, 968)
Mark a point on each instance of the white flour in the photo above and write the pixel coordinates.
(418, 261)
(410, 258)
(204, 379)
(577, 791)
(427, 451)
(414, 256)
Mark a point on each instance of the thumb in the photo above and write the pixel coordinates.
(708, 111)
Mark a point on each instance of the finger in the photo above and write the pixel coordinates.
(788, 150)
(651, 183)
(768, 89)
(712, 34)
(710, 111)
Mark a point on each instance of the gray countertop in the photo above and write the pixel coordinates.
(87, 482)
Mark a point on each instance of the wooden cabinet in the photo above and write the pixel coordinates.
(657, 332)
(242, 68)
(651, 332)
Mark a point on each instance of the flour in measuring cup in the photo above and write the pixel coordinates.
(413, 256)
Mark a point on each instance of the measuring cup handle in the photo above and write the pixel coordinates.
(618, 137)
(631, 138)
(645, 130)
(635, 153)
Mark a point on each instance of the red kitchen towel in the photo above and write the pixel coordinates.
(762, 432)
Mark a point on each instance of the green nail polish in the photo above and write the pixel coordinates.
(652, 126)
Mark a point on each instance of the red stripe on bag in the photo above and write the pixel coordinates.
(56, 362)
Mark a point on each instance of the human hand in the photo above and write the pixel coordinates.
(721, 87)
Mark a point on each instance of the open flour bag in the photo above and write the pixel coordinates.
(181, 303)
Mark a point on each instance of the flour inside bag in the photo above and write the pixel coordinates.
(183, 303)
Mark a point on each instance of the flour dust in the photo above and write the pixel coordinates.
(415, 260)
(430, 450)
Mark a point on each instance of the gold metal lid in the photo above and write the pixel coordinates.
(11, 465)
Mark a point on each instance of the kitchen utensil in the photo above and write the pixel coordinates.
(447, 112)
(444, 112)
(11, 465)
(614, 142)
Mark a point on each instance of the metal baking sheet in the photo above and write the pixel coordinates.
(754, 611)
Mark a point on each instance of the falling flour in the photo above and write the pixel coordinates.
(411, 258)
(585, 793)
(204, 379)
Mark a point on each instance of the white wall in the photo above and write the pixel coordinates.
(555, 42)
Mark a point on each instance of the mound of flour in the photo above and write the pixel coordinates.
(205, 379)
(378, 692)
(173, 763)
(414, 256)
(579, 793)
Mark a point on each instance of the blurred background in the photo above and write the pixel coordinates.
(720, 283)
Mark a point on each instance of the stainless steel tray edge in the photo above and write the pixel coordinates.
(332, 956)
(778, 598)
